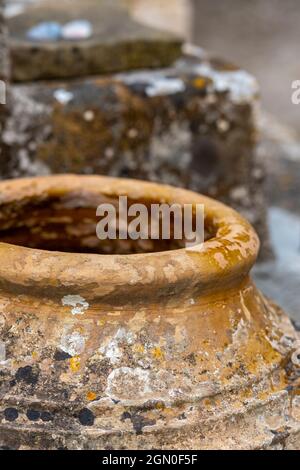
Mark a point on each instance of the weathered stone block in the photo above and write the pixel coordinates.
(118, 42)
(4, 74)
(190, 125)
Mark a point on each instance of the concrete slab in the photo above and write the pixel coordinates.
(118, 42)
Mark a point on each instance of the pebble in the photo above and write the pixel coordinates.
(79, 29)
(46, 31)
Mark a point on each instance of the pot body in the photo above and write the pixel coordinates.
(169, 350)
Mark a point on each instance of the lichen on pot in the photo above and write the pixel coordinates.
(130, 345)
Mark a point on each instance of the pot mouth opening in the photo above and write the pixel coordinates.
(49, 246)
(69, 224)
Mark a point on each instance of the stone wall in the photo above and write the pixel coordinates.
(3, 45)
(4, 72)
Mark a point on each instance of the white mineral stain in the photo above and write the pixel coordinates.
(196, 248)
(73, 344)
(206, 389)
(2, 321)
(240, 335)
(79, 304)
(165, 86)
(150, 273)
(63, 96)
(111, 349)
(134, 276)
(125, 383)
(221, 260)
(2, 352)
(112, 352)
(181, 338)
(170, 273)
(240, 84)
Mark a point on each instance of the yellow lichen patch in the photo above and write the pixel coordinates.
(138, 348)
(246, 394)
(75, 364)
(259, 351)
(34, 355)
(207, 403)
(263, 395)
(170, 412)
(296, 390)
(160, 406)
(157, 353)
(199, 82)
(91, 396)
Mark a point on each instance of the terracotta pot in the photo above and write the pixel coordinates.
(168, 349)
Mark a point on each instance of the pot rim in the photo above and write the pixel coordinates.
(224, 260)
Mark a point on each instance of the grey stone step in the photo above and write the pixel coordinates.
(119, 43)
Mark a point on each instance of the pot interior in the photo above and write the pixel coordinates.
(67, 223)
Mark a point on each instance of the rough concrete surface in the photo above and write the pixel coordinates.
(118, 43)
(4, 76)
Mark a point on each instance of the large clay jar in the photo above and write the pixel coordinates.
(122, 345)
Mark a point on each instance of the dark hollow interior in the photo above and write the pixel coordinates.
(68, 224)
